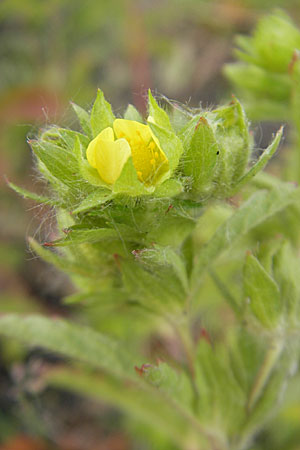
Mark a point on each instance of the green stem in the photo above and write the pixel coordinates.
(268, 365)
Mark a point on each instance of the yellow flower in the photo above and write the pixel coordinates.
(110, 150)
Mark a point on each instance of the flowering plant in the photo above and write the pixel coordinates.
(147, 212)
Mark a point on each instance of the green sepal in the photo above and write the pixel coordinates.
(84, 119)
(79, 234)
(201, 156)
(93, 200)
(132, 113)
(62, 263)
(157, 290)
(162, 256)
(128, 182)
(159, 115)
(263, 293)
(170, 144)
(231, 131)
(101, 115)
(64, 138)
(61, 163)
(169, 188)
(261, 162)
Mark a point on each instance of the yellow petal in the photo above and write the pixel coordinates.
(106, 134)
(110, 158)
(131, 130)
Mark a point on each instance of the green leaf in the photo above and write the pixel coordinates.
(101, 115)
(84, 119)
(70, 340)
(201, 156)
(170, 144)
(32, 196)
(170, 188)
(261, 162)
(263, 293)
(132, 113)
(159, 115)
(253, 212)
(94, 199)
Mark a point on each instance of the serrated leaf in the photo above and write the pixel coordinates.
(70, 340)
(101, 115)
(170, 144)
(263, 292)
(132, 113)
(159, 115)
(84, 119)
(253, 212)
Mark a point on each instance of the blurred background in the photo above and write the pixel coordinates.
(51, 52)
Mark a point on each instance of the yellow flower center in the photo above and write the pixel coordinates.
(134, 139)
